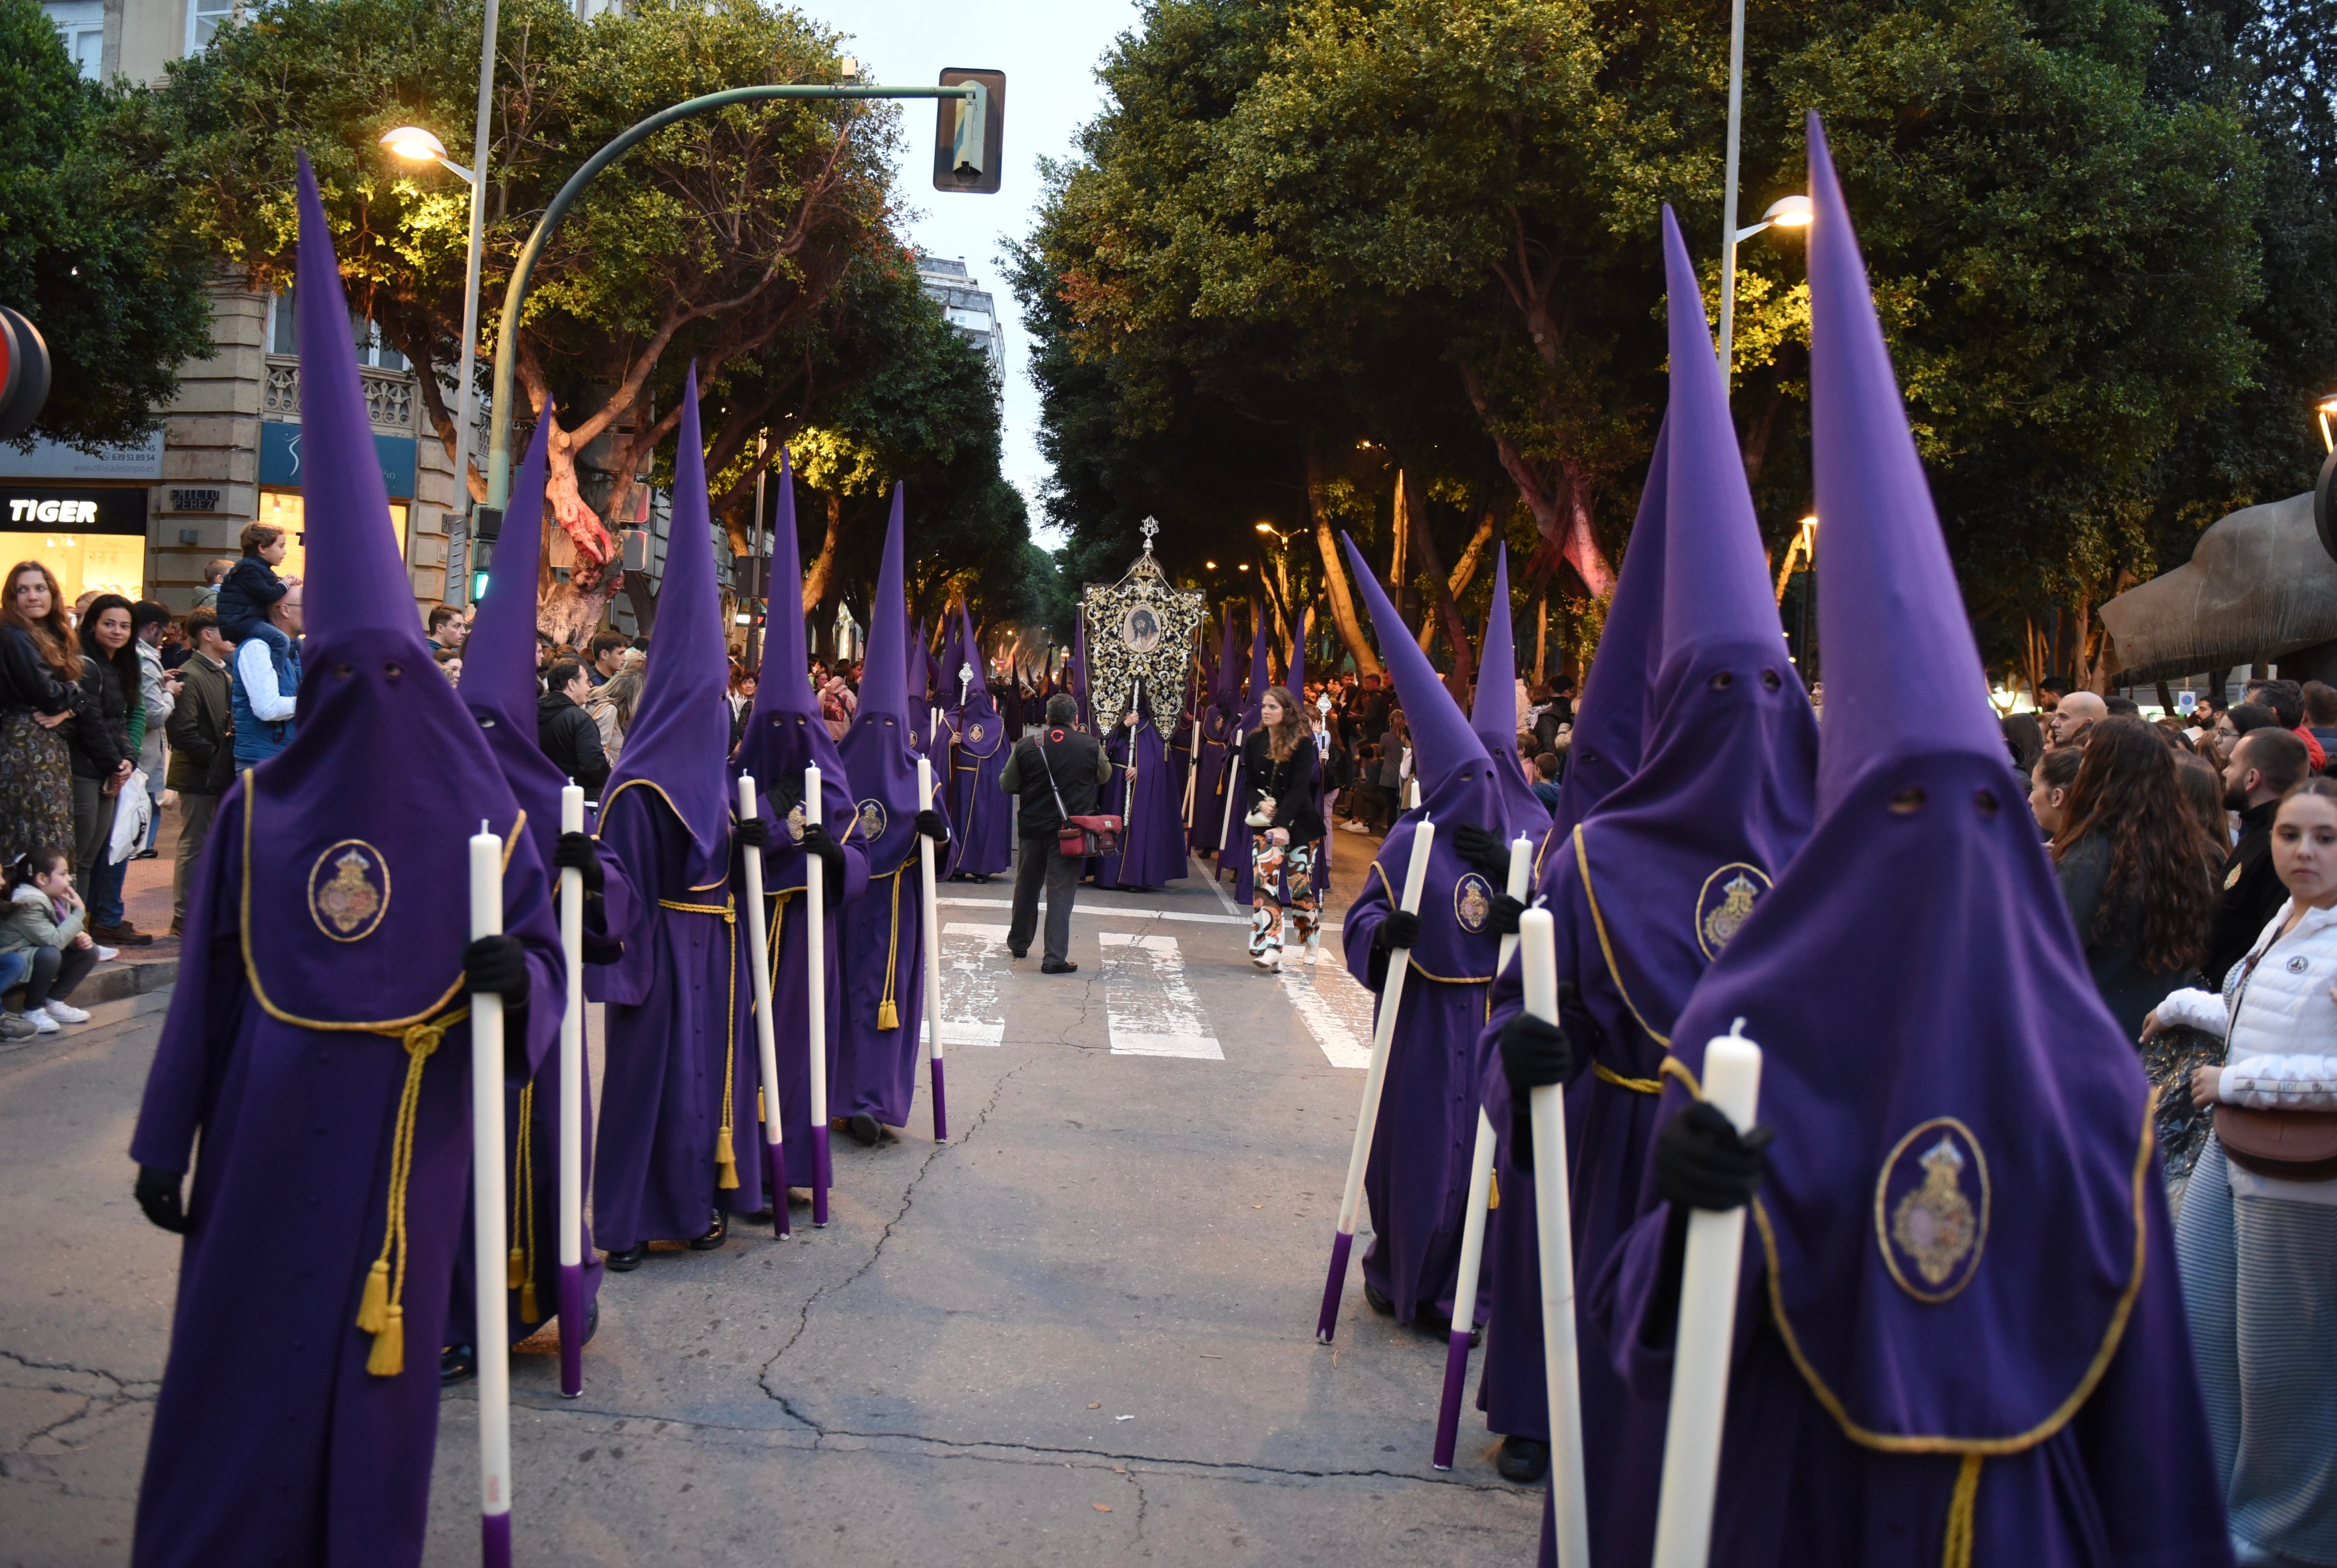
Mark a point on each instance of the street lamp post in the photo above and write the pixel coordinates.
(507, 331)
(415, 144)
(1785, 212)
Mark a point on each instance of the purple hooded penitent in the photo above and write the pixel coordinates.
(679, 1106)
(1146, 793)
(783, 736)
(1960, 1331)
(1235, 850)
(1214, 726)
(884, 934)
(1493, 711)
(499, 687)
(1645, 891)
(321, 966)
(980, 813)
(1418, 1178)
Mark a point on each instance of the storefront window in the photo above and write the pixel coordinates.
(282, 508)
(84, 562)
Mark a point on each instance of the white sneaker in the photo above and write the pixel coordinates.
(106, 954)
(66, 1013)
(1354, 828)
(40, 1020)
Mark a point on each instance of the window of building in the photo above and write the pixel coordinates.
(372, 350)
(283, 328)
(205, 18)
(80, 26)
(284, 336)
(284, 508)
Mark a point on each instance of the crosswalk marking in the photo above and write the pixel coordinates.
(1336, 1009)
(1148, 1003)
(970, 1005)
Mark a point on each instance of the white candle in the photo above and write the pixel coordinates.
(572, 1106)
(1707, 1326)
(1554, 1248)
(758, 965)
(816, 996)
(930, 901)
(490, 1201)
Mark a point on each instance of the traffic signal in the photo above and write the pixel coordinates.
(970, 135)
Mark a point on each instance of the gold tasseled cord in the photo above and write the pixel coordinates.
(1963, 1504)
(380, 1308)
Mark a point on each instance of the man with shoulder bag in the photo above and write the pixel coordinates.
(1058, 774)
(202, 732)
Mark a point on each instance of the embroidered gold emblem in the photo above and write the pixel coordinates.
(1472, 901)
(348, 890)
(1933, 1222)
(1725, 900)
(973, 732)
(2232, 877)
(872, 820)
(796, 822)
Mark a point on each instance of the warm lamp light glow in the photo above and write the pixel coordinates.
(1790, 212)
(415, 145)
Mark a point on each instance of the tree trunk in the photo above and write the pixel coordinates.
(1542, 639)
(1423, 545)
(823, 565)
(1334, 574)
(1463, 574)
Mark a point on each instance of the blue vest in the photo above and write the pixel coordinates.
(255, 739)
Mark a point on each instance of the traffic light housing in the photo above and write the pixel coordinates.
(970, 134)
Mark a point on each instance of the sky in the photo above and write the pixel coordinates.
(1048, 50)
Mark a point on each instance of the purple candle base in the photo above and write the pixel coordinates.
(819, 1169)
(775, 1165)
(1334, 1286)
(1448, 1414)
(494, 1540)
(571, 1332)
(940, 1106)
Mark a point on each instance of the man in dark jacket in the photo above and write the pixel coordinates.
(1059, 773)
(202, 748)
(2265, 764)
(566, 732)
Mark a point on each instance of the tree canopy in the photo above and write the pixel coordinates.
(1309, 231)
(89, 250)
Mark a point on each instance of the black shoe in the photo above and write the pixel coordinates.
(591, 1322)
(1378, 1301)
(457, 1364)
(1018, 952)
(1522, 1460)
(1051, 967)
(716, 1234)
(145, 854)
(863, 1129)
(626, 1261)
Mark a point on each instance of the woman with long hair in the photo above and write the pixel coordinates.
(2255, 1231)
(2132, 856)
(40, 691)
(611, 705)
(1286, 829)
(104, 740)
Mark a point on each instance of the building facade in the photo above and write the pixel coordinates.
(966, 307)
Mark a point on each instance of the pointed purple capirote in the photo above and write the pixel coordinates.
(883, 933)
(1493, 713)
(330, 869)
(680, 740)
(981, 824)
(1611, 716)
(783, 736)
(1961, 1273)
(1077, 671)
(1260, 676)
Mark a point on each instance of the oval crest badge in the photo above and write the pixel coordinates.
(1472, 901)
(1931, 1208)
(872, 820)
(1725, 900)
(348, 890)
(974, 732)
(796, 822)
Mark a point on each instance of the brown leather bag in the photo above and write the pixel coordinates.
(2292, 1145)
(1083, 836)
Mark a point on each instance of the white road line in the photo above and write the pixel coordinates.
(1150, 1007)
(1208, 872)
(1336, 1007)
(970, 985)
(1109, 912)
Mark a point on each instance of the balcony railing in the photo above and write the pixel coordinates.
(388, 394)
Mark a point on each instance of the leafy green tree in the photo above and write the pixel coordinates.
(88, 248)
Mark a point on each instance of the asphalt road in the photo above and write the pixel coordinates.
(1081, 1333)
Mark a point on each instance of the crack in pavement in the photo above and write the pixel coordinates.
(908, 1200)
(102, 1393)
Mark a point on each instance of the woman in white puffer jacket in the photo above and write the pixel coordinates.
(2259, 1252)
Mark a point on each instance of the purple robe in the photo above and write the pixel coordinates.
(982, 814)
(1144, 793)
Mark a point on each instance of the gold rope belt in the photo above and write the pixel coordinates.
(381, 1310)
(888, 1012)
(726, 1158)
(520, 1275)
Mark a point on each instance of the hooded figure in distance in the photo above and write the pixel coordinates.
(980, 813)
(318, 1044)
(1959, 1333)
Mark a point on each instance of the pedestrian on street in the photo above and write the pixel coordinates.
(2256, 1235)
(1284, 770)
(2265, 764)
(105, 739)
(2285, 698)
(203, 751)
(40, 692)
(267, 687)
(611, 705)
(251, 587)
(2072, 716)
(1057, 772)
(158, 692)
(214, 572)
(2048, 788)
(566, 732)
(605, 656)
(44, 923)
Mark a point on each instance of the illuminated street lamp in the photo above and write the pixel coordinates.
(1785, 212)
(2326, 407)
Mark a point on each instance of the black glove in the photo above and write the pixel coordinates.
(1701, 1162)
(581, 852)
(158, 1194)
(497, 964)
(933, 825)
(755, 832)
(818, 841)
(1400, 930)
(1483, 849)
(1506, 910)
(1535, 1055)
